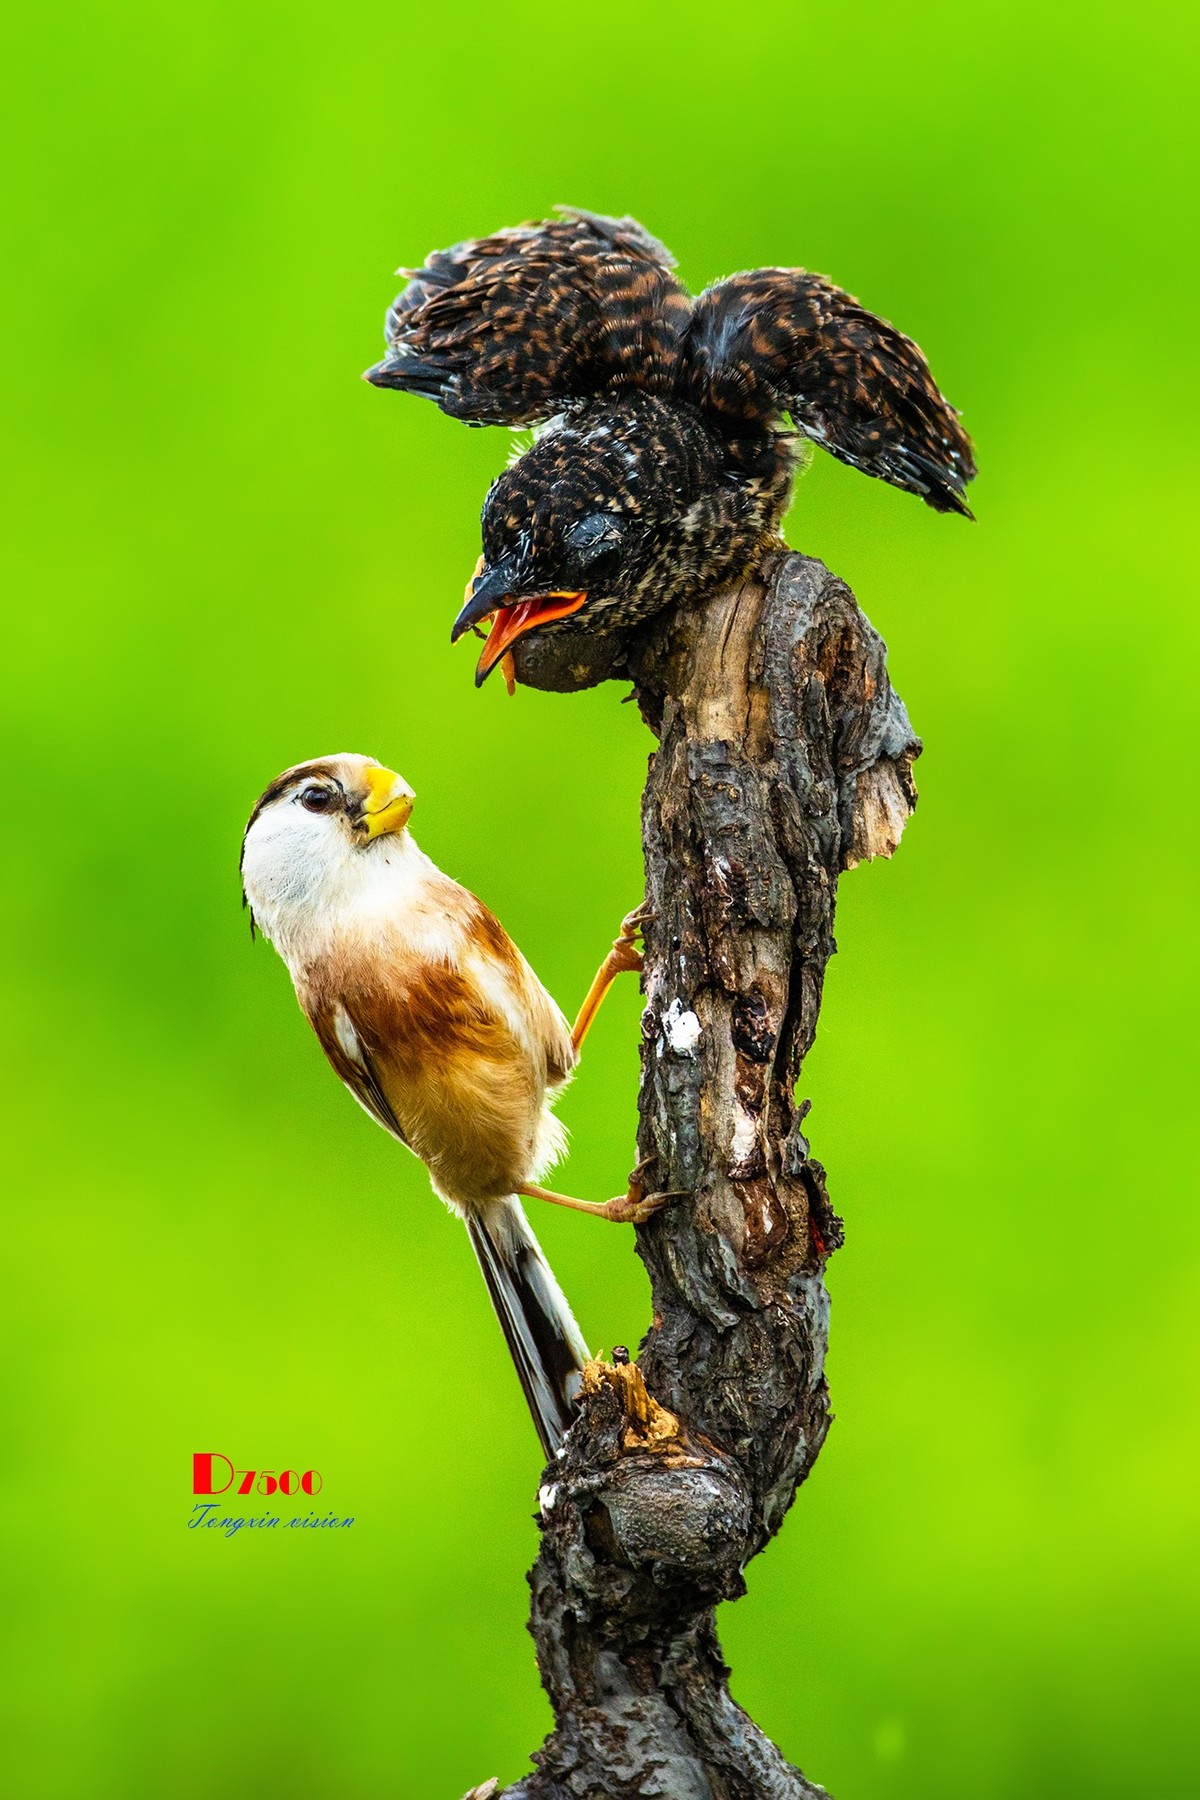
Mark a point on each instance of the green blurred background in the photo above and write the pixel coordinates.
(227, 553)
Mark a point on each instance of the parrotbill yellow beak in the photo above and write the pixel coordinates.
(389, 803)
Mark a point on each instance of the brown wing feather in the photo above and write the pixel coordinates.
(431, 1051)
(357, 1070)
(782, 340)
(546, 1018)
(509, 329)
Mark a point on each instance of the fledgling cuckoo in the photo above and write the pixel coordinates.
(664, 464)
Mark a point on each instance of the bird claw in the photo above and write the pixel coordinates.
(636, 1206)
(625, 952)
(631, 924)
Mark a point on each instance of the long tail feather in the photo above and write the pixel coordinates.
(539, 1328)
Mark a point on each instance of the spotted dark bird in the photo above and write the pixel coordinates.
(664, 459)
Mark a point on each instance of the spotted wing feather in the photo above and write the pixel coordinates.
(510, 329)
(782, 340)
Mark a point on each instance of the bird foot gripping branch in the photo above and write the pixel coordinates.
(624, 958)
(633, 1207)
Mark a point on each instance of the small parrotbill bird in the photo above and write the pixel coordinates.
(440, 1029)
(664, 463)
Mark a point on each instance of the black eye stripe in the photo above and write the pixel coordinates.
(279, 788)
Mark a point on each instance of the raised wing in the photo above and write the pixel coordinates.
(510, 329)
(781, 341)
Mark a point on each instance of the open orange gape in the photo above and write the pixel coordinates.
(508, 623)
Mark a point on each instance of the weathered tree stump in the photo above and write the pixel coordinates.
(784, 757)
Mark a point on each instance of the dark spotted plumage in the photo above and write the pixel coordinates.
(780, 340)
(664, 463)
(506, 330)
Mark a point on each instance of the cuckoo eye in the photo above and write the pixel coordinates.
(602, 565)
(318, 799)
(596, 542)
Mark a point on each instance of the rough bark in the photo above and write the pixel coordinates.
(784, 757)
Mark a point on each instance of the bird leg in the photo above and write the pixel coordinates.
(623, 955)
(631, 1208)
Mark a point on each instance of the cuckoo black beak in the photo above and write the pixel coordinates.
(489, 591)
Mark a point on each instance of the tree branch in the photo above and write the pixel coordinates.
(784, 757)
